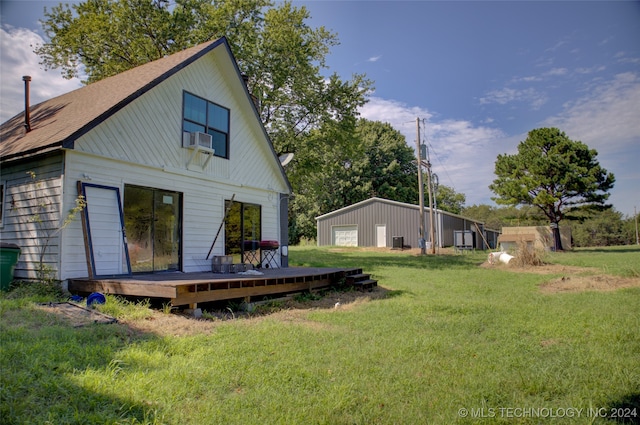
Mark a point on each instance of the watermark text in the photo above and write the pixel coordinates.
(549, 412)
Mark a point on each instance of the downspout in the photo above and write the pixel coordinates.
(27, 117)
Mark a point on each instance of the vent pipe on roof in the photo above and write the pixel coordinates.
(27, 118)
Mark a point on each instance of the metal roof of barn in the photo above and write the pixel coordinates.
(390, 202)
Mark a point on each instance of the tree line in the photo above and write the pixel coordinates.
(604, 228)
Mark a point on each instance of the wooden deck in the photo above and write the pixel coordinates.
(193, 288)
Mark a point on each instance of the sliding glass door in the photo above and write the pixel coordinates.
(243, 223)
(153, 224)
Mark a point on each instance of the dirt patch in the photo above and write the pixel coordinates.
(289, 310)
(543, 269)
(579, 283)
(172, 324)
(549, 342)
(344, 300)
(574, 279)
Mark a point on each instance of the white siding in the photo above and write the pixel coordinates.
(148, 131)
(32, 214)
(203, 207)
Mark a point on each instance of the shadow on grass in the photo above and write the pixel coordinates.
(626, 411)
(397, 293)
(610, 250)
(323, 299)
(47, 361)
(368, 260)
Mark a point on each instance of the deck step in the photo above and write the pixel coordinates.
(357, 277)
(367, 284)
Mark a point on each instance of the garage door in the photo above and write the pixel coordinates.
(345, 235)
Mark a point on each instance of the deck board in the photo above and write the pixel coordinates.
(193, 288)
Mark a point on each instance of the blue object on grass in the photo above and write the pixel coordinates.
(96, 298)
(76, 298)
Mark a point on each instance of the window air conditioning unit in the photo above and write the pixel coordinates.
(197, 139)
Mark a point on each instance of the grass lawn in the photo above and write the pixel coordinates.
(442, 341)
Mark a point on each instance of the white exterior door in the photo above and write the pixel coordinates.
(345, 235)
(381, 235)
(106, 239)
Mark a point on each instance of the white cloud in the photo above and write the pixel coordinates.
(500, 97)
(556, 72)
(608, 119)
(591, 70)
(605, 41)
(528, 79)
(17, 59)
(396, 113)
(553, 72)
(462, 154)
(623, 58)
(534, 98)
(374, 58)
(633, 61)
(557, 46)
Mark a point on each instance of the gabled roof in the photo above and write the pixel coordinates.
(56, 123)
(389, 202)
(59, 121)
(515, 237)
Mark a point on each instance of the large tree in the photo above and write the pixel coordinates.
(383, 164)
(305, 109)
(447, 199)
(347, 162)
(274, 46)
(553, 173)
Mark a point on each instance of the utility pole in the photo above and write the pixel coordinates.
(435, 183)
(635, 214)
(431, 226)
(421, 241)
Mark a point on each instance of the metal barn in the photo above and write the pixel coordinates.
(378, 222)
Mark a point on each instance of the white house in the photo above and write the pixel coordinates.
(158, 152)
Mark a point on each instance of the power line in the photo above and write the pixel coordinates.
(433, 151)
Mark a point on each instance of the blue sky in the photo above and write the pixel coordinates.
(479, 74)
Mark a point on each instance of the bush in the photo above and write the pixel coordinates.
(527, 256)
(45, 290)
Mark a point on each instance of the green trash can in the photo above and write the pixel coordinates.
(9, 254)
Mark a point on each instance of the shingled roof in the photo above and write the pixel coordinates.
(58, 122)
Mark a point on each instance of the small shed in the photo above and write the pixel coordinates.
(536, 237)
(378, 222)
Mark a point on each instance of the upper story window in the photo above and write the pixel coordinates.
(207, 117)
